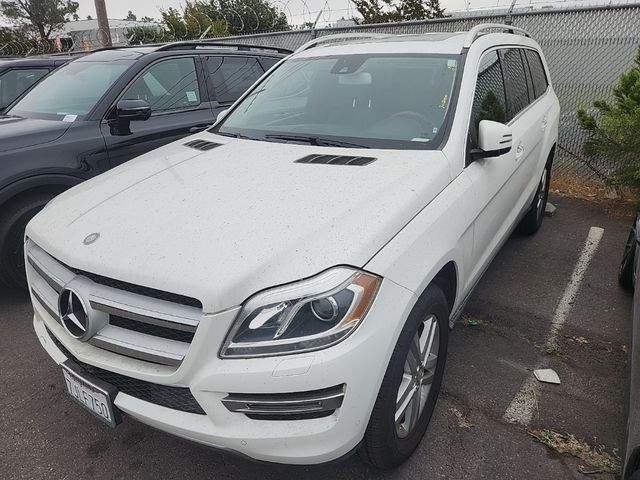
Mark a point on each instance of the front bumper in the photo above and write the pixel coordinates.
(358, 363)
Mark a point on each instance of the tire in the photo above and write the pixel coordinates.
(387, 442)
(532, 221)
(625, 273)
(12, 225)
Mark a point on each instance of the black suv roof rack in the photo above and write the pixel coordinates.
(205, 43)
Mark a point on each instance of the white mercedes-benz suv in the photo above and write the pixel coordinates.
(282, 286)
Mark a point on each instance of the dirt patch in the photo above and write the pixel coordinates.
(621, 202)
(461, 418)
(596, 459)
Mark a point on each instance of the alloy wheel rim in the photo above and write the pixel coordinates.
(417, 376)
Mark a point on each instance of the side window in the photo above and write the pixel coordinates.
(167, 85)
(489, 98)
(515, 80)
(14, 83)
(268, 62)
(538, 74)
(232, 76)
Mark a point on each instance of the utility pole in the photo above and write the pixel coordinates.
(104, 32)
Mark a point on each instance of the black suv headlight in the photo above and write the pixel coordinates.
(303, 316)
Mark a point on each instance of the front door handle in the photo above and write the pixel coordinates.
(519, 151)
(198, 128)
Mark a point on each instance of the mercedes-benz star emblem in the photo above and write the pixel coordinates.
(91, 238)
(73, 315)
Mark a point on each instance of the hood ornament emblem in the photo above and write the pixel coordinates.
(91, 238)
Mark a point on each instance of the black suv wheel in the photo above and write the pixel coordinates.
(12, 225)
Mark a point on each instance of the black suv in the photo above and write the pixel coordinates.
(104, 109)
(17, 75)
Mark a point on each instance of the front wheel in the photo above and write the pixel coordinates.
(411, 384)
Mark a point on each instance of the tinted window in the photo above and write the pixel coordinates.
(489, 98)
(70, 92)
(14, 83)
(538, 74)
(527, 75)
(232, 76)
(515, 81)
(167, 85)
(268, 62)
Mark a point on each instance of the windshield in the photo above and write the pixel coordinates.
(377, 101)
(70, 92)
(14, 82)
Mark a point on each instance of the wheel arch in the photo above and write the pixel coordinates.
(54, 184)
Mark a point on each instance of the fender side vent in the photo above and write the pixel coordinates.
(337, 160)
(203, 145)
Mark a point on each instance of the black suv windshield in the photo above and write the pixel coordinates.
(71, 92)
(375, 101)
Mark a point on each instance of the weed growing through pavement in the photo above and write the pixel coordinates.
(597, 460)
(469, 321)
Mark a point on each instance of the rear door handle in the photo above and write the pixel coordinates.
(198, 128)
(545, 120)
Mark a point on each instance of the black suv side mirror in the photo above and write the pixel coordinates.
(133, 110)
(128, 111)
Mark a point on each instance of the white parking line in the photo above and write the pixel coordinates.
(521, 408)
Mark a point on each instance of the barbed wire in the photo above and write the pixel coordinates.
(300, 14)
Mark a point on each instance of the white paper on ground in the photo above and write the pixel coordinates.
(547, 375)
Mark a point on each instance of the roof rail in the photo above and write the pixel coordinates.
(205, 43)
(478, 30)
(340, 36)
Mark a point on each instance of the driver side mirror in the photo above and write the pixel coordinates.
(494, 139)
(128, 111)
(133, 110)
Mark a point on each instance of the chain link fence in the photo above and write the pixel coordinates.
(587, 49)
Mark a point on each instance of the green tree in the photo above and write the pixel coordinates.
(42, 16)
(131, 16)
(614, 131)
(382, 11)
(193, 22)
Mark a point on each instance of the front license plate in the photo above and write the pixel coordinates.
(92, 394)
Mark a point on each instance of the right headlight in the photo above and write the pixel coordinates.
(303, 316)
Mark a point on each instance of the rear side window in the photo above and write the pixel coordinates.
(515, 80)
(167, 85)
(14, 83)
(232, 76)
(538, 74)
(489, 98)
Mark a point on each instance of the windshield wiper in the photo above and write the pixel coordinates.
(311, 140)
(234, 135)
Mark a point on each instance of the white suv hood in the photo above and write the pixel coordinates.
(222, 225)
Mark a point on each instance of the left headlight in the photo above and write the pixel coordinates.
(303, 316)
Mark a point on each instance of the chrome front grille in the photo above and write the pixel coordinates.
(146, 327)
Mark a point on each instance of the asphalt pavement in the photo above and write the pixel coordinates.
(491, 356)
